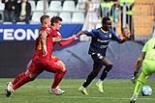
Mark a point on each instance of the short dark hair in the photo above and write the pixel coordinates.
(42, 18)
(55, 19)
(105, 19)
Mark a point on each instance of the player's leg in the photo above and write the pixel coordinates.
(55, 88)
(22, 79)
(108, 67)
(96, 68)
(148, 67)
(57, 67)
(59, 75)
(141, 80)
(21, 75)
(58, 78)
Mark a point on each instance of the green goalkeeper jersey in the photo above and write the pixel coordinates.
(149, 49)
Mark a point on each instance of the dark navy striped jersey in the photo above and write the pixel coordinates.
(100, 40)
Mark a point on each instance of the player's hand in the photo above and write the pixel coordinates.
(75, 37)
(80, 33)
(44, 53)
(126, 33)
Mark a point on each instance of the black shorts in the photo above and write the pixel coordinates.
(97, 59)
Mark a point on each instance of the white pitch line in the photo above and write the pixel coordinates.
(109, 98)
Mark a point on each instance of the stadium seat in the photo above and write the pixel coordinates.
(80, 5)
(1, 11)
(55, 6)
(40, 5)
(33, 5)
(1, 6)
(36, 17)
(68, 6)
(66, 16)
(78, 17)
(51, 14)
(81, 0)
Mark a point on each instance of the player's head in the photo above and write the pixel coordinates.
(45, 20)
(106, 23)
(56, 22)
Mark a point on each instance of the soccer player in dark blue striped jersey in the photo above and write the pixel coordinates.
(100, 39)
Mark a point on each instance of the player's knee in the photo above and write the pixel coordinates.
(109, 67)
(64, 70)
(32, 77)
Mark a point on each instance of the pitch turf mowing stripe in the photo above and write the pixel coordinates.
(67, 87)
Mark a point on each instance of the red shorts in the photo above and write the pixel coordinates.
(37, 65)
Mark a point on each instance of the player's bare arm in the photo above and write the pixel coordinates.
(57, 39)
(137, 66)
(139, 62)
(81, 33)
(74, 36)
(67, 41)
(71, 37)
(43, 38)
(125, 35)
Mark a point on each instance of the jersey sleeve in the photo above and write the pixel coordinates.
(92, 33)
(67, 41)
(114, 36)
(145, 48)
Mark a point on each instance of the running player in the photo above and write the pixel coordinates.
(146, 62)
(98, 46)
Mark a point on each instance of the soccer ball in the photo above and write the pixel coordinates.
(146, 90)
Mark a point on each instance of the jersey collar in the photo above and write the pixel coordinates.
(104, 31)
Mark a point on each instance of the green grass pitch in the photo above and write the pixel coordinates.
(116, 91)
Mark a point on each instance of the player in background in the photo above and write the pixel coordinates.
(146, 61)
(43, 58)
(100, 39)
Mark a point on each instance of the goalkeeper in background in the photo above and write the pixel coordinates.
(146, 62)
